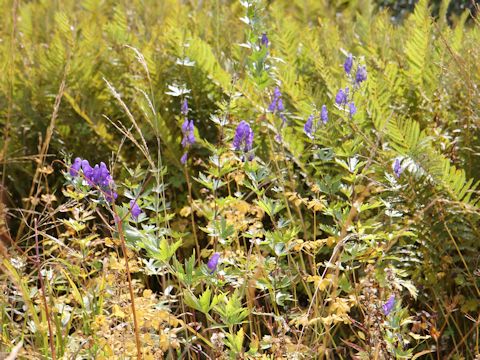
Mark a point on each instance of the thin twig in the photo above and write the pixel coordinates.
(130, 287)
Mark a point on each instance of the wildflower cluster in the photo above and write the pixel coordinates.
(344, 97)
(188, 131)
(97, 176)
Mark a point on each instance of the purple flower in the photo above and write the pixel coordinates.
(347, 66)
(101, 176)
(280, 105)
(353, 109)
(87, 171)
(98, 176)
(264, 40)
(188, 133)
(397, 168)
(308, 126)
(324, 114)
(110, 195)
(361, 75)
(185, 107)
(389, 305)
(341, 97)
(277, 103)
(184, 158)
(243, 136)
(77, 163)
(213, 262)
(135, 209)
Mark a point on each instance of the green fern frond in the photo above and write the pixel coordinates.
(417, 45)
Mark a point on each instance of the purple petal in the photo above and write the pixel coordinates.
(347, 66)
(213, 262)
(264, 40)
(308, 126)
(135, 209)
(353, 109)
(389, 305)
(184, 158)
(77, 163)
(324, 114)
(361, 75)
(185, 107)
(397, 168)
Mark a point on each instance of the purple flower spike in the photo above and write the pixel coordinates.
(77, 163)
(347, 66)
(361, 75)
(213, 262)
(324, 114)
(243, 137)
(264, 40)
(397, 168)
(341, 97)
(185, 107)
(135, 209)
(188, 130)
(308, 126)
(280, 106)
(276, 106)
(389, 305)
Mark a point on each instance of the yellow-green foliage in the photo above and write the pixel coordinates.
(315, 233)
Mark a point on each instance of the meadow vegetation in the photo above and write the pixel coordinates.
(239, 180)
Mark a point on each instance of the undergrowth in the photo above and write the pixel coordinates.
(274, 180)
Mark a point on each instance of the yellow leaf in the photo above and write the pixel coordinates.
(185, 211)
(117, 311)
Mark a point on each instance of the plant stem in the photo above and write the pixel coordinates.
(44, 298)
(130, 287)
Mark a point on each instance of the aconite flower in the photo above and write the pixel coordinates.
(188, 131)
(347, 66)
(264, 40)
(308, 126)
(389, 305)
(324, 114)
(361, 75)
(213, 262)
(185, 109)
(243, 138)
(98, 176)
(277, 102)
(353, 109)
(135, 210)
(77, 163)
(341, 97)
(397, 168)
